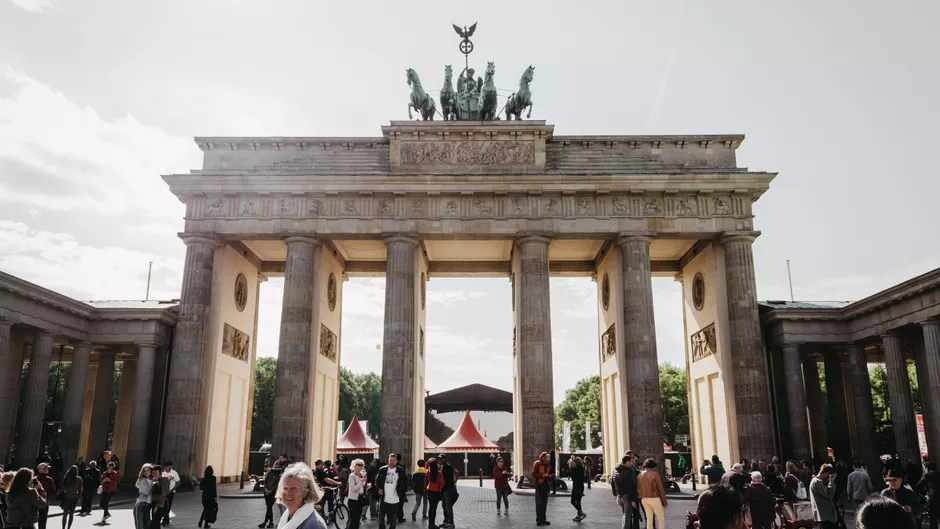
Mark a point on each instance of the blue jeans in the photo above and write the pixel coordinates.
(627, 509)
(142, 516)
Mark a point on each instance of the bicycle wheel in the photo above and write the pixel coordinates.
(341, 517)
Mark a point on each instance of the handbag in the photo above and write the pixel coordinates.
(100, 490)
(213, 513)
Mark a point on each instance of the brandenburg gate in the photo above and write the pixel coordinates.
(450, 198)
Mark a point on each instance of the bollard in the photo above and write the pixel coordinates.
(481, 478)
(241, 479)
(694, 480)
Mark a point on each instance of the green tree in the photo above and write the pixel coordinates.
(262, 413)
(581, 404)
(360, 395)
(881, 399)
(674, 399)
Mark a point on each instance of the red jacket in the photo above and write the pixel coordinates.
(435, 485)
(501, 477)
(540, 470)
(48, 485)
(109, 481)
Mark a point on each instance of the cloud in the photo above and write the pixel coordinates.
(58, 156)
(36, 6)
(58, 261)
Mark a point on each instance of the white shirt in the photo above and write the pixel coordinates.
(391, 486)
(174, 479)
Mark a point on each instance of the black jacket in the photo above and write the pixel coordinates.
(400, 487)
(625, 482)
(929, 485)
(209, 491)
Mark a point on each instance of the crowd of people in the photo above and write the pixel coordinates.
(762, 487)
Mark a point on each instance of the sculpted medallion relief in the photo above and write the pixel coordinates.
(331, 292)
(241, 292)
(468, 153)
(327, 343)
(605, 292)
(698, 291)
(235, 343)
(704, 343)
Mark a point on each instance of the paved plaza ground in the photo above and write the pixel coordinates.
(475, 509)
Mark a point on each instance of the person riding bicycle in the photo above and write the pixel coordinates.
(326, 479)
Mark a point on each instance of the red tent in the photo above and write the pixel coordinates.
(355, 440)
(467, 439)
(429, 444)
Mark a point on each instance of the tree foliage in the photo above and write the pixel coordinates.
(582, 403)
(262, 413)
(360, 394)
(674, 401)
(881, 400)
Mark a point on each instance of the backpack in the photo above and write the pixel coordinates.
(800, 490)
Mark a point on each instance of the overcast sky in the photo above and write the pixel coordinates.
(98, 98)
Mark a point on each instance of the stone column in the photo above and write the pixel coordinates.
(291, 401)
(34, 401)
(902, 407)
(534, 348)
(796, 403)
(101, 405)
(751, 381)
(11, 365)
(140, 409)
(186, 421)
(122, 415)
(838, 427)
(75, 402)
(930, 390)
(5, 327)
(817, 420)
(864, 412)
(398, 350)
(644, 413)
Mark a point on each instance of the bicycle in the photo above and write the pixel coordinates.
(339, 513)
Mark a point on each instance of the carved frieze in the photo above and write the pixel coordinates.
(609, 342)
(214, 208)
(620, 206)
(327, 343)
(704, 343)
(235, 343)
(385, 207)
(316, 208)
(250, 208)
(350, 207)
(283, 206)
(451, 208)
(722, 206)
(468, 153)
(685, 207)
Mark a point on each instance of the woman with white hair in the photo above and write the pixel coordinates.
(760, 502)
(299, 493)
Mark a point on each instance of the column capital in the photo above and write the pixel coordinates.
(739, 236)
(627, 237)
(191, 239)
(42, 333)
(402, 239)
(147, 344)
(302, 238)
(889, 334)
(5, 323)
(925, 324)
(541, 239)
(790, 345)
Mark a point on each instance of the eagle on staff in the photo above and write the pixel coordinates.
(465, 33)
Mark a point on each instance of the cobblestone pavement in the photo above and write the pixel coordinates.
(475, 509)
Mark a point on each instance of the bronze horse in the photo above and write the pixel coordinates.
(522, 98)
(420, 100)
(448, 96)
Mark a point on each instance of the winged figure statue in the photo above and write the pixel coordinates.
(465, 33)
